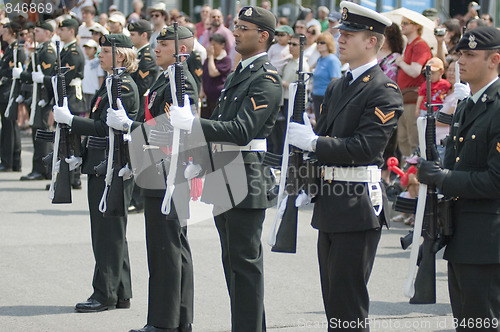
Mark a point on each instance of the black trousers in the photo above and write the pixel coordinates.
(345, 264)
(112, 267)
(40, 149)
(240, 231)
(10, 137)
(475, 296)
(171, 284)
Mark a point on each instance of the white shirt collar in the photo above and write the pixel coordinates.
(222, 55)
(248, 61)
(142, 47)
(69, 44)
(478, 94)
(361, 69)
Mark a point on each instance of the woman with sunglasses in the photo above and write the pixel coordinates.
(327, 69)
(311, 53)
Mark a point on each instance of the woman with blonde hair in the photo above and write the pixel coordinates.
(111, 277)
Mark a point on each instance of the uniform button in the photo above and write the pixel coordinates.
(220, 115)
(458, 159)
(235, 98)
(225, 98)
(461, 139)
(454, 138)
(473, 136)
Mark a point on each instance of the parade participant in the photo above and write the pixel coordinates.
(244, 116)
(10, 150)
(359, 114)
(171, 286)
(45, 58)
(111, 278)
(470, 174)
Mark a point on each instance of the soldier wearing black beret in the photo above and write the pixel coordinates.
(171, 300)
(242, 119)
(471, 175)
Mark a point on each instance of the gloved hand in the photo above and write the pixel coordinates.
(430, 173)
(42, 103)
(73, 162)
(182, 117)
(16, 72)
(118, 119)
(19, 99)
(302, 135)
(38, 75)
(192, 170)
(125, 172)
(461, 91)
(62, 113)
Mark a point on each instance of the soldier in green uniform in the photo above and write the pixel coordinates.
(10, 150)
(471, 175)
(169, 255)
(111, 281)
(244, 116)
(45, 58)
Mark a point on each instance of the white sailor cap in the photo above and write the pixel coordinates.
(359, 18)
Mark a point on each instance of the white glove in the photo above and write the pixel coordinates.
(73, 162)
(38, 75)
(192, 170)
(125, 172)
(16, 72)
(302, 135)
(19, 99)
(118, 119)
(302, 199)
(461, 91)
(42, 103)
(62, 113)
(182, 117)
(58, 166)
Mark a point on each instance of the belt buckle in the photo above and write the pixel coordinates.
(328, 173)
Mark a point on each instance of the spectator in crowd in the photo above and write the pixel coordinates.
(300, 27)
(488, 19)
(266, 4)
(103, 19)
(88, 15)
(446, 44)
(117, 24)
(474, 23)
(283, 21)
(93, 75)
(323, 12)
(133, 17)
(174, 15)
(279, 53)
(439, 87)
(471, 14)
(333, 21)
(327, 69)
(197, 47)
(392, 48)
(449, 106)
(310, 20)
(217, 26)
(216, 68)
(78, 6)
(432, 14)
(410, 77)
(159, 18)
(311, 52)
(138, 6)
(112, 9)
(204, 15)
(98, 31)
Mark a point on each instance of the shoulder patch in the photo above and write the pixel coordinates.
(269, 68)
(255, 107)
(392, 85)
(198, 72)
(271, 78)
(143, 74)
(125, 87)
(46, 65)
(498, 147)
(148, 58)
(384, 117)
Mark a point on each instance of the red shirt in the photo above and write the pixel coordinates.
(439, 90)
(418, 51)
(200, 29)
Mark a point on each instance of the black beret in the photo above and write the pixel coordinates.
(70, 23)
(14, 26)
(44, 25)
(259, 16)
(168, 33)
(481, 38)
(140, 26)
(120, 40)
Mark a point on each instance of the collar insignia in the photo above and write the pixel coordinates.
(366, 78)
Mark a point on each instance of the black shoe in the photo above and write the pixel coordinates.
(123, 304)
(186, 327)
(16, 168)
(92, 305)
(4, 168)
(33, 176)
(135, 209)
(76, 184)
(150, 328)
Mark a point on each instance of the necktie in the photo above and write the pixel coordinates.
(469, 104)
(347, 80)
(238, 68)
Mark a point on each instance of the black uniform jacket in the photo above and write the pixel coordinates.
(96, 124)
(246, 110)
(6, 65)
(144, 76)
(473, 156)
(354, 128)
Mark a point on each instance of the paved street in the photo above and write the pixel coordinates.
(46, 266)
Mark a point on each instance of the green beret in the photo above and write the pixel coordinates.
(70, 23)
(480, 38)
(168, 33)
(259, 16)
(140, 26)
(44, 25)
(120, 40)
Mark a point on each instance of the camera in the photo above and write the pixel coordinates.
(440, 31)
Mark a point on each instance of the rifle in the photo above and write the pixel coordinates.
(34, 95)
(177, 90)
(14, 83)
(422, 290)
(112, 201)
(283, 235)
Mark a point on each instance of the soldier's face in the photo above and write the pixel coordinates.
(135, 37)
(41, 35)
(165, 53)
(353, 48)
(106, 58)
(476, 65)
(248, 38)
(64, 33)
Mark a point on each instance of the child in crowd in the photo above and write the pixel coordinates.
(439, 87)
(93, 74)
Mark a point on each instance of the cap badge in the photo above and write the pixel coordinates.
(248, 12)
(366, 78)
(472, 41)
(345, 12)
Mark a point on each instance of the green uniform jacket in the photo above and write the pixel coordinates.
(247, 109)
(473, 156)
(6, 65)
(144, 76)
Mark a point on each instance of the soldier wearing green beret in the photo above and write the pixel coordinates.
(170, 306)
(244, 116)
(471, 176)
(111, 278)
(45, 58)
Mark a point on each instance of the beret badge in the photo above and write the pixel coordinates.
(472, 42)
(248, 12)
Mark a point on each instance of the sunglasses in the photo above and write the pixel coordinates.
(293, 44)
(406, 23)
(322, 43)
(312, 32)
(156, 15)
(300, 27)
(281, 34)
(244, 28)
